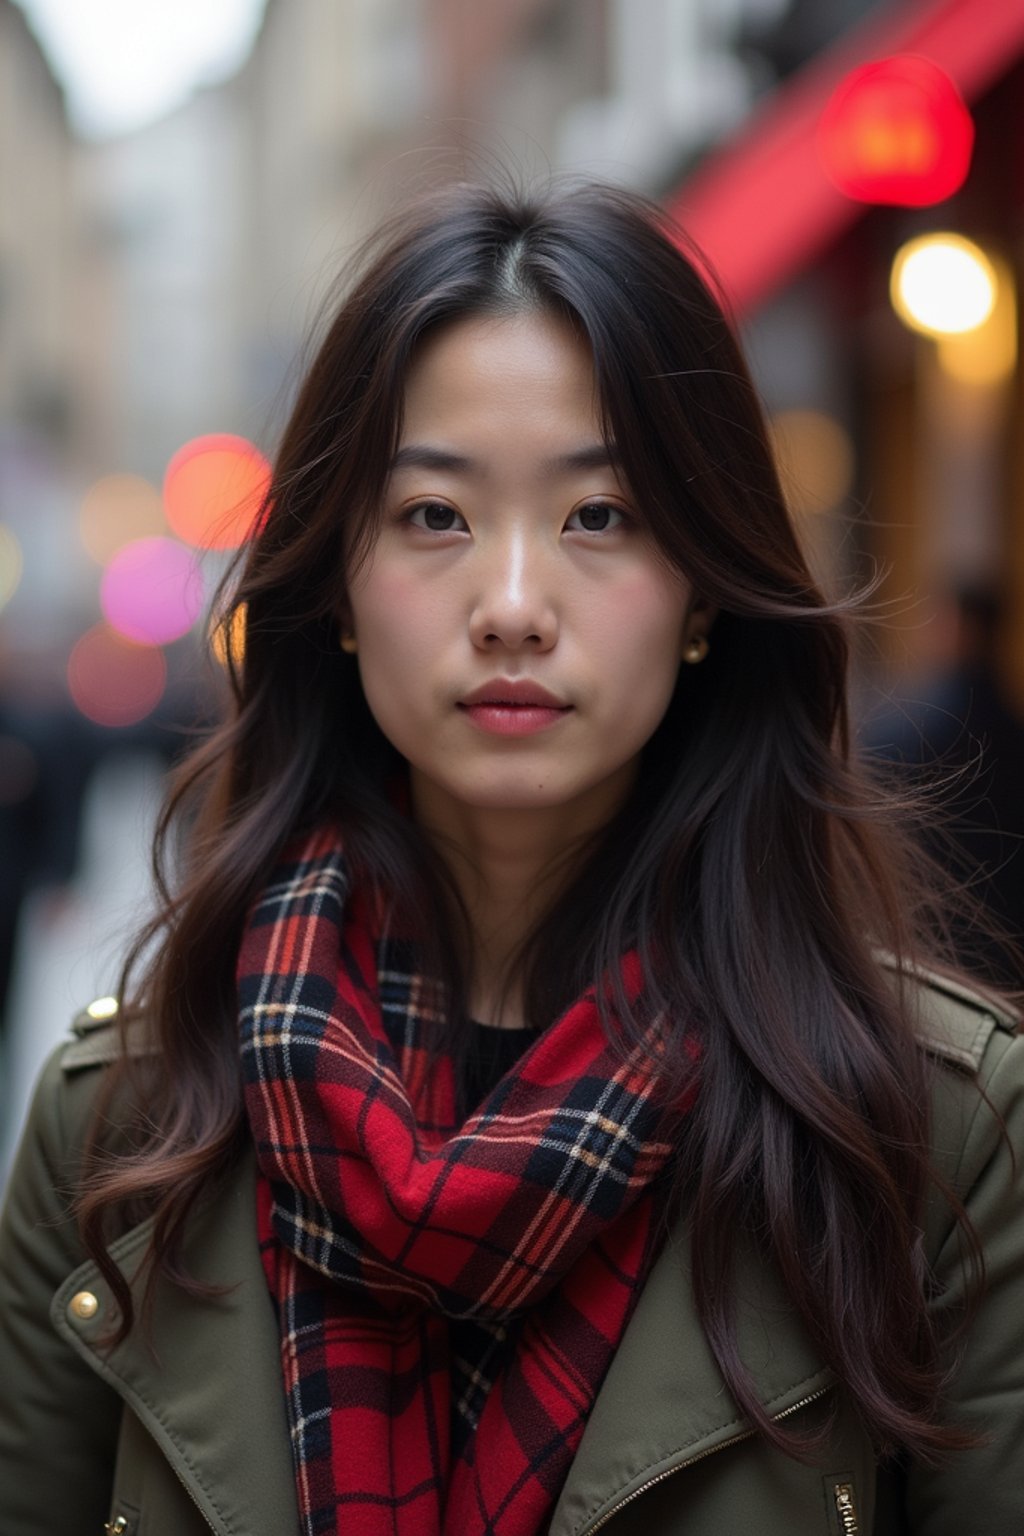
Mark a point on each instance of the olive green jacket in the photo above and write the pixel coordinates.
(189, 1435)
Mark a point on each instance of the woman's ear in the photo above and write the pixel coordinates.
(344, 626)
(700, 617)
(345, 629)
(343, 620)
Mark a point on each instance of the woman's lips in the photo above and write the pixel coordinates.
(500, 718)
(513, 706)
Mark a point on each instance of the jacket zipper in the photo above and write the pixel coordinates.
(744, 1434)
(204, 1517)
(120, 1525)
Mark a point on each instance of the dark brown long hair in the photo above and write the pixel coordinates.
(753, 859)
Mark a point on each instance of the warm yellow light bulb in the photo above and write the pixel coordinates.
(943, 285)
(987, 356)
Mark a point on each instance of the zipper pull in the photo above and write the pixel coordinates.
(118, 1527)
(846, 1509)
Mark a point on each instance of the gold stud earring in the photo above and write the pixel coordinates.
(349, 644)
(696, 649)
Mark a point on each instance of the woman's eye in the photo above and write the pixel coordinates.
(437, 517)
(596, 517)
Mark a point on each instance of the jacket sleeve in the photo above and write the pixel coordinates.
(982, 1489)
(58, 1421)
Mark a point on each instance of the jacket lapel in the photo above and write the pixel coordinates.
(664, 1403)
(209, 1391)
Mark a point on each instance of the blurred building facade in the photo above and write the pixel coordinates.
(36, 244)
(349, 108)
(161, 218)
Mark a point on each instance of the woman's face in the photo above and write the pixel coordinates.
(518, 635)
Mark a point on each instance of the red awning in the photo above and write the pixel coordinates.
(762, 207)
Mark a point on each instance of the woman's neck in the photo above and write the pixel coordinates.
(508, 867)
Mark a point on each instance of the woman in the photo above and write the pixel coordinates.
(535, 1085)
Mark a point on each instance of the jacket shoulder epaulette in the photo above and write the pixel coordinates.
(956, 1020)
(100, 1037)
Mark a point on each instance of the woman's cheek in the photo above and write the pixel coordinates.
(395, 616)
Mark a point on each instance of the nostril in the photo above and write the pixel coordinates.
(527, 639)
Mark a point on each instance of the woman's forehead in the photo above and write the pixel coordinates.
(487, 385)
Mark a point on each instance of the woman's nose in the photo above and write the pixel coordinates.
(515, 601)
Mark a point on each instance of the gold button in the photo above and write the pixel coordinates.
(84, 1305)
(103, 1008)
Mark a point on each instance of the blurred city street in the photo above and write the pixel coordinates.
(69, 945)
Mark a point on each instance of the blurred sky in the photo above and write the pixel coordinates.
(125, 62)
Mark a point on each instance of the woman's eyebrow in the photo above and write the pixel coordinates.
(422, 456)
(593, 456)
(427, 456)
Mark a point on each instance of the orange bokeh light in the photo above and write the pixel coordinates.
(117, 509)
(112, 681)
(214, 489)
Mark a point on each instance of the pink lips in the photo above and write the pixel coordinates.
(513, 707)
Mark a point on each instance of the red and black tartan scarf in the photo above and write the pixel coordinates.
(449, 1297)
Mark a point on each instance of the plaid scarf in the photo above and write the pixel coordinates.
(449, 1297)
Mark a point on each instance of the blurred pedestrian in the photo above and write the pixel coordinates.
(46, 760)
(958, 730)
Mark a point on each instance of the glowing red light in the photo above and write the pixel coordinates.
(113, 681)
(897, 131)
(214, 489)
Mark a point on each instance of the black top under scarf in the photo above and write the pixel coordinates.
(492, 1052)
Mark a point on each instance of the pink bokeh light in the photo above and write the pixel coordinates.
(152, 591)
(112, 681)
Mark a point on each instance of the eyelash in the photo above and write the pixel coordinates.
(604, 506)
